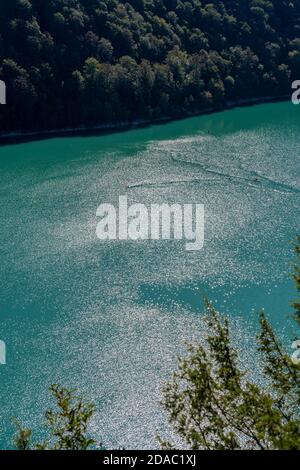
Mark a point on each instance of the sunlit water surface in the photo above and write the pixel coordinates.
(111, 318)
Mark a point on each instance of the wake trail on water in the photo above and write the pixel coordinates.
(256, 179)
(160, 184)
(250, 177)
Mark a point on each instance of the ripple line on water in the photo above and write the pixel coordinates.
(151, 184)
(254, 179)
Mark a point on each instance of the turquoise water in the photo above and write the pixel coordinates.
(111, 317)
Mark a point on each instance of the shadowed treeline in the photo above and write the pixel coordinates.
(69, 63)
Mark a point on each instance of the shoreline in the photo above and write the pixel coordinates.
(10, 138)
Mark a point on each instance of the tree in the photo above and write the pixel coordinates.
(256, 43)
(213, 405)
(67, 426)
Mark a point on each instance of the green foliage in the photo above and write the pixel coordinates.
(67, 426)
(186, 57)
(212, 404)
(22, 438)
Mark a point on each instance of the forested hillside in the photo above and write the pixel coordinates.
(87, 62)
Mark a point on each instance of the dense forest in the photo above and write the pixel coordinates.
(68, 63)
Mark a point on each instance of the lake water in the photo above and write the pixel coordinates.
(110, 318)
